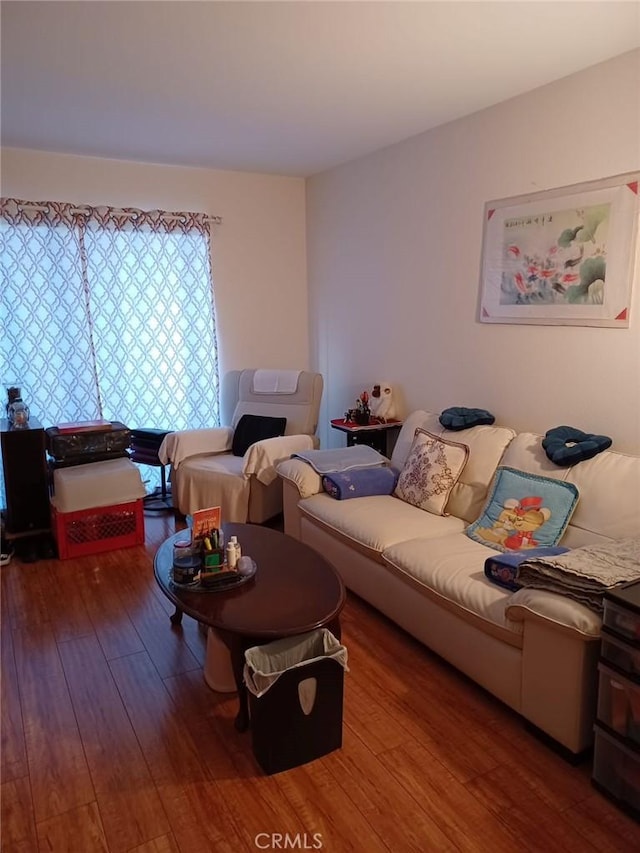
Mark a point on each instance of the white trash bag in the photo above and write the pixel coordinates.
(265, 664)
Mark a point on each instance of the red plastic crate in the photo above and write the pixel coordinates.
(98, 529)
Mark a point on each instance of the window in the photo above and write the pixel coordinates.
(109, 313)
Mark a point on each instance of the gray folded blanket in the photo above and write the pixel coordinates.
(342, 459)
(584, 574)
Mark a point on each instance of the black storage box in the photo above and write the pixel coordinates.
(145, 444)
(285, 733)
(85, 444)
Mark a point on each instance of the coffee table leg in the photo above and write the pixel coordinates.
(237, 646)
(176, 619)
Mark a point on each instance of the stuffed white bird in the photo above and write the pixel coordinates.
(381, 401)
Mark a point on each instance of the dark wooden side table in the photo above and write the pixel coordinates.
(294, 591)
(380, 436)
(145, 444)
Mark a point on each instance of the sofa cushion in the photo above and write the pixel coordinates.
(609, 486)
(486, 445)
(372, 524)
(252, 428)
(524, 511)
(431, 471)
(452, 567)
(194, 487)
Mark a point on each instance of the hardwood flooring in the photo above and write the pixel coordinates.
(111, 740)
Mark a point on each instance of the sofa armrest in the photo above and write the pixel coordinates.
(263, 457)
(307, 481)
(180, 445)
(565, 614)
(561, 645)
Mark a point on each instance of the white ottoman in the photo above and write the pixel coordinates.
(113, 481)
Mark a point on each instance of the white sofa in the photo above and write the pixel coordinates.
(534, 650)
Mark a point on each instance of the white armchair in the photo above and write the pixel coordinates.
(206, 472)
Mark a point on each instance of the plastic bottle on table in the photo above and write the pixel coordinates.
(234, 541)
(232, 557)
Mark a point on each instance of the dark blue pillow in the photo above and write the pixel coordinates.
(457, 417)
(565, 445)
(252, 428)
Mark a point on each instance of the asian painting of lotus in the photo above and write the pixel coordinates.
(561, 257)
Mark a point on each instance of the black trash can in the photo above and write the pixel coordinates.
(295, 690)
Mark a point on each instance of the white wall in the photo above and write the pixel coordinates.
(394, 244)
(258, 253)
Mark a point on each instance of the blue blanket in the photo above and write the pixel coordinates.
(501, 569)
(342, 459)
(361, 482)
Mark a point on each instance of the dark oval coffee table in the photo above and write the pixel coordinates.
(294, 591)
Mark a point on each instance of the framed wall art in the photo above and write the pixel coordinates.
(563, 256)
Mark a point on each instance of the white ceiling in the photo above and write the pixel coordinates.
(289, 88)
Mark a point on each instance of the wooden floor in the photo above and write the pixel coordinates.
(111, 741)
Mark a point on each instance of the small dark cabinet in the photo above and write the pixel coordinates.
(25, 478)
(381, 436)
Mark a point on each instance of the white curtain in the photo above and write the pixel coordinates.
(108, 313)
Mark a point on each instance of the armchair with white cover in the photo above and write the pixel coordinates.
(234, 466)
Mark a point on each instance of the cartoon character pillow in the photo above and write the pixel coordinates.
(524, 511)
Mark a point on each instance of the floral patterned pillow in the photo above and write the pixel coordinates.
(431, 471)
